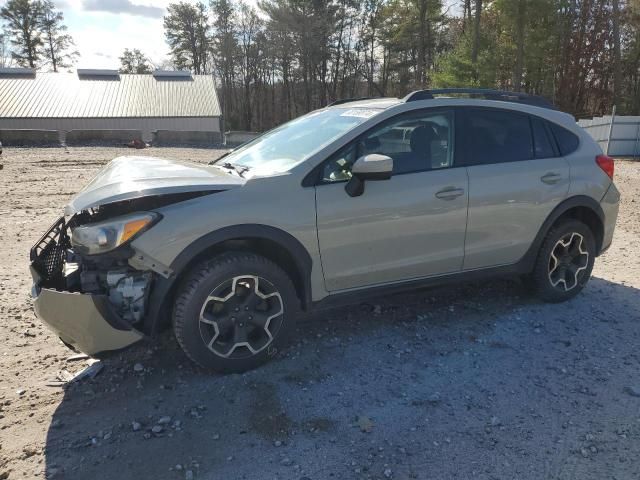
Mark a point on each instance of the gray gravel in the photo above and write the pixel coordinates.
(474, 381)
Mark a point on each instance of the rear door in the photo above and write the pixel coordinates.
(516, 178)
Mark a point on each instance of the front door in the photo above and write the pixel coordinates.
(408, 227)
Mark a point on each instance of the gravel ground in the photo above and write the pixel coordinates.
(474, 381)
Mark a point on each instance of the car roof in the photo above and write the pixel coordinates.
(484, 93)
(536, 108)
(381, 103)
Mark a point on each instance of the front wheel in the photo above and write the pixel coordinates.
(234, 312)
(564, 262)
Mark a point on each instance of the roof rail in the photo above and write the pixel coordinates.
(488, 94)
(349, 100)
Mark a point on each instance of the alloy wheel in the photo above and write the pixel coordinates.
(568, 261)
(241, 317)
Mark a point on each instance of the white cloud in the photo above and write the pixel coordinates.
(123, 6)
(103, 29)
(101, 43)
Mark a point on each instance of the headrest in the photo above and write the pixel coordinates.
(421, 139)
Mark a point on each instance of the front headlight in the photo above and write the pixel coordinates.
(105, 236)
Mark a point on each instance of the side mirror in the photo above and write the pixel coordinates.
(368, 167)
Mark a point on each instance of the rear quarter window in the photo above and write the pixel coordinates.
(567, 141)
(543, 143)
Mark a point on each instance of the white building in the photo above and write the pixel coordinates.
(90, 105)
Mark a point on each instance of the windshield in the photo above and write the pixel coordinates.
(286, 146)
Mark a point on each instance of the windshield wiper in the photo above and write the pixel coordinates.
(239, 169)
(228, 152)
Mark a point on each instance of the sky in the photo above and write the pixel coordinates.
(102, 29)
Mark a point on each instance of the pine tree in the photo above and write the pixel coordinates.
(134, 61)
(58, 45)
(187, 32)
(23, 19)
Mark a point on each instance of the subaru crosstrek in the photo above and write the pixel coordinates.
(363, 196)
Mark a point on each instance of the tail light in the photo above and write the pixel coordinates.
(606, 164)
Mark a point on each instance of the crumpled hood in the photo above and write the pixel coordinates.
(126, 178)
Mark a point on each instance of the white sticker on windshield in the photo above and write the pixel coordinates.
(360, 112)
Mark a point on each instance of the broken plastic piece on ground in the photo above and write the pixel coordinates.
(78, 356)
(64, 377)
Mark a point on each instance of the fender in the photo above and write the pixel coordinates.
(161, 295)
(527, 262)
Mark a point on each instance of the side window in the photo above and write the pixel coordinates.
(567, 141)
(542, 144)
(416, 141)
(338, 167)
(495, 136)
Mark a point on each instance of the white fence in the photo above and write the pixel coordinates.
(619, 136)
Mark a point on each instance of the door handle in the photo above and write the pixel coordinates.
(449, 193)
(551, 178)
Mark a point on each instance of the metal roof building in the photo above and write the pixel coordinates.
(103, 104)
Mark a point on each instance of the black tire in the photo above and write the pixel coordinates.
(559, 280)
(251, 336)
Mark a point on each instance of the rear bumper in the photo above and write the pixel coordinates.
(610, 204)
(86, 322)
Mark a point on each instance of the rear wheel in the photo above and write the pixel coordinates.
(234, 312)
(564, 262)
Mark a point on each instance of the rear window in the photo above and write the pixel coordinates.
(495, 136)
(567, 141)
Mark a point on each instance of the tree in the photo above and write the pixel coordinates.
(249, 31)
(58, 45)
(370, 29)
(424, 32)
(631, 59)
(292, 56)
(283, 56)
(187, 31)
(6, 59)
(411, 34)
(224, 47)
(477, 22)
(466, 14)
(617, 55)
(521, 13)
(23, 23)
(134, 61)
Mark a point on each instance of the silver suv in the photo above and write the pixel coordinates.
(361, 197)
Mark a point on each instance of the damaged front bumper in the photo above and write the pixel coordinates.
(85, 321)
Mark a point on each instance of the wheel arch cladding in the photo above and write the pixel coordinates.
(277, 245)
(580, 207)
(590, 218)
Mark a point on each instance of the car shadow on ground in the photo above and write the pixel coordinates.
(430, 381)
